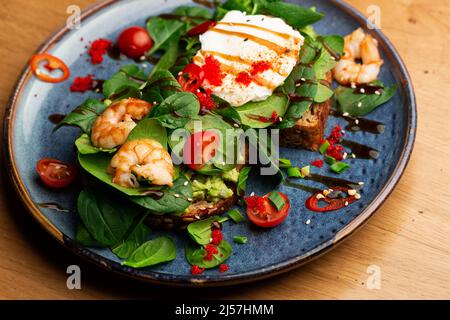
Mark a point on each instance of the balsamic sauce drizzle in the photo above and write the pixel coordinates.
(56, 118)
(361, 151)
(53, 206)
(360, 124)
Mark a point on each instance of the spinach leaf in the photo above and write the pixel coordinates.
(358, 104)
(84, 238)
(162, 31)
(125, 83)
(195, 254)
(149, 129)
(242, 180)
(251, 112)
(169, 58)
(174, 200)
(191, 47)
(152, 252)
(106, 219)
(192, 15)
(161, 85)
(240, 5)
(84, 115)
(129, 245)
(323, 93)
(294, 15)
(84, 146)
(200, 231)
(176, 110)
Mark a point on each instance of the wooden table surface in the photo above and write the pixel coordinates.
(408, 238)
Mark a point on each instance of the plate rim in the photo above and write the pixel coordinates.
(244, 277)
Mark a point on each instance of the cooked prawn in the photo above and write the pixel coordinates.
(142, 159)
(358, 45)
(113, 126)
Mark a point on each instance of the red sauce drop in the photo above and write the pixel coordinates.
(82, 84)
(98, 49)
(317, 163)
(212, 71)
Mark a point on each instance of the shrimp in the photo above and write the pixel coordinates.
(358, 45)
(113, 126)
(142, 159)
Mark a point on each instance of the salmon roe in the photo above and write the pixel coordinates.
(216, 236)
(212, 71)
(82, 84)
(196, 270)
(244, 78)
(224, 267)
(260, 67)
(98, 49)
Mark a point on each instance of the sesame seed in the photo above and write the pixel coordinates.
(333, 58)
(145, 66)
(202, 208)
(236, 125)
(353, 85)
(185, 183)
(353, 156)
(189, 199)
(345, 155)
(252, 194)
(142, 58)
(176, 195)
(361, 183)
(356, 121)
(180, 73)
(303, 79)
(359, 104)
(320, 196)
(351, 192)
(357, 196)
(362, 90)
(280, 119)
(197, 216)
(377, 93)
(308, 221)
(345, 114)
(346, 203)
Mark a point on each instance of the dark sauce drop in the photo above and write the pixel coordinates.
(361, 124)
(289, 183)
(207, 3)
(154, 194)
(368, 89)
(53, 206)
(360, 150)
(330, 182)
(114, 52)
(56, 118)
(97, 85)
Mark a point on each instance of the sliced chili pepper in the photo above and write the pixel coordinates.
(201, 28)
(312, 203)
(191, 78)
(52, 63)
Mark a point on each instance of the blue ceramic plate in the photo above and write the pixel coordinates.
(268, 252)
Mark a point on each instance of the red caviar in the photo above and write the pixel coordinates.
(336, 151)
(210, 251)
(255, 203)
(224, 267)
(213, 73)
(82, 84)
(260, 67)
(216, 236)
(196, 270)
(244, 78)
(336, 135)
(317, 163)
(205, 99)
(98, 49)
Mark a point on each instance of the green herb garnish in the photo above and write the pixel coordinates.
(324, 147)
(277, 200)
(236, 216)
(339, 167)
(240, 239)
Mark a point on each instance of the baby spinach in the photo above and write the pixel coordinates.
(107, 219)
(149, 129)
(195, 255)
(161, 85)
(84, 238)
(357, 104)
(162, 31)
(200, 231)
(152, 252)
(242, 180)
(125, 83)
(294, 15)
(192, 15)
(176, 110)
(251, 112)
(124, 249)
(84, 146)
(84, 115)
(169, 57)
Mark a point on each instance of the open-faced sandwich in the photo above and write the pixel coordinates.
(164, 148)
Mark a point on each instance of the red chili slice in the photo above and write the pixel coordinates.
(191, 78)
(312, 203)
(201, 28)
(52, 63)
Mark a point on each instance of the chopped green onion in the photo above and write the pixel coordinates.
(284, 163)
(305, 171)
(339, 167)
(324, 147)
(236, 216)
(277, 200)
(294, 173)
(240, 239)
(330, 160)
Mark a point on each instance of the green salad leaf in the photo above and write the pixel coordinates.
(83, 116)
(163, 31)
(242, 180)
(125, 83)
(161, 85)
(200, 231)
(124, 249)
(84, 146)
(149, 129)
(152, 252)
(294, 15)
(357, 104)
(195, 255)
(84, 238)
(169, 58)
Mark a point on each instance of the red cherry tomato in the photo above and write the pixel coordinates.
(262, 212)
(134, 42)
(312, 203)
(191, 78)
(55, 173)
(199, 148)
(201, 28)
(51, 63)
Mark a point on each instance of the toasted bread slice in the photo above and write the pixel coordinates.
(309, 130)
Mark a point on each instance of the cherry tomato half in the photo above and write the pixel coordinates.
(55, 173)
(263, 213)
(51, 63)
(201, 28)
(312, 203)
(199, 148)
(191, 78)
(134, 42)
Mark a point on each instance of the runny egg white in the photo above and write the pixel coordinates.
(239, 41)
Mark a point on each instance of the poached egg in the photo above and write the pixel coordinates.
(239, 42)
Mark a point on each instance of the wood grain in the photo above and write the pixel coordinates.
(408, 238)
